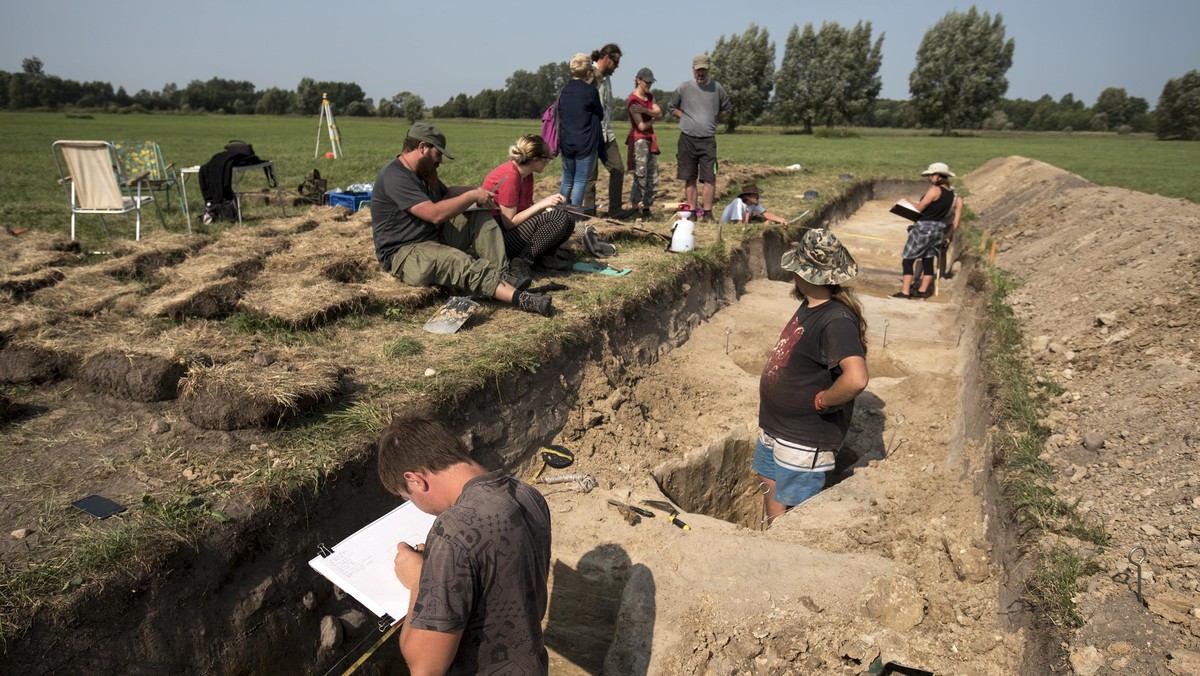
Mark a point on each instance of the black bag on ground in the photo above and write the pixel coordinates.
(216, 180)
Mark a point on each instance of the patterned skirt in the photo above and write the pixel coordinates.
(924, 239)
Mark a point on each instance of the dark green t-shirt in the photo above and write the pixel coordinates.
(392, 224)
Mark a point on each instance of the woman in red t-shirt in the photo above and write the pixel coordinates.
(533, 231)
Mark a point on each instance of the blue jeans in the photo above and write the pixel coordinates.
(575, 175)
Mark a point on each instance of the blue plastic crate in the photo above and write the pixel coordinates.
(353, 200)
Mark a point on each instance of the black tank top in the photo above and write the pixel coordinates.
(939, 209)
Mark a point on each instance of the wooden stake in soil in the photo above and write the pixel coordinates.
(992, 255)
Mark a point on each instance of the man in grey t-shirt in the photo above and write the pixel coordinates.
(479, 582)
(699, 104)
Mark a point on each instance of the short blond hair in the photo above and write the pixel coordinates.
(528, 148)
(581, 66)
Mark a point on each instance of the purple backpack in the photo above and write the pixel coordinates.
(550, 128)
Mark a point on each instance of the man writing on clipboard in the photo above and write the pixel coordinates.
(479, 583)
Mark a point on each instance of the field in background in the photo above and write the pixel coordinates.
(32, 198)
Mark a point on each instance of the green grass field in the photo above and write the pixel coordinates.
(33, 199)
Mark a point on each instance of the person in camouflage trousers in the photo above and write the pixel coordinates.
(643, 143)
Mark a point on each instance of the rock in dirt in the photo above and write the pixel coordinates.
(1094, 441)
(1086, 661)
(331, 633)
(1106, 319)
(895, 602)
(22, 533)
(970, 562)
(309, 601)
(160, 427)
(263, 359)
(353, 621)
(1184, 662)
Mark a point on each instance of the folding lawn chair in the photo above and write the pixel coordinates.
(94, 183)
(146, 157)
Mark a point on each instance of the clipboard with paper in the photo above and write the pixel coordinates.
(362, 564)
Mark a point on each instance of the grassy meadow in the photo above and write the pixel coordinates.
(33, 199)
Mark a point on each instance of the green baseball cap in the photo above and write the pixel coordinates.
(423, 131)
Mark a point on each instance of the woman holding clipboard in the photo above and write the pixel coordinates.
(927, 235)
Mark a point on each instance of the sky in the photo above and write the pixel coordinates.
(438, 49)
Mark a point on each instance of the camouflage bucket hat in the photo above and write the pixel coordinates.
(819, 258)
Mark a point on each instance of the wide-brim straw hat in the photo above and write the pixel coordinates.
(938, 168)
(819, 258)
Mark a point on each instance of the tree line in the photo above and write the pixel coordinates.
(829, 76)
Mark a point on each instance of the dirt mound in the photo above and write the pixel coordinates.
(241, 395)
(1108, 302)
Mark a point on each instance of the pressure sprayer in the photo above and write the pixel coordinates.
(683, 231)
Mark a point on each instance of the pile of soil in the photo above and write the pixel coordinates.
(1108, 302)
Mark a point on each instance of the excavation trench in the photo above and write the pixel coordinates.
(662, 406)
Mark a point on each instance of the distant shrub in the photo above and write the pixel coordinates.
(835, 132)
(1124, 129)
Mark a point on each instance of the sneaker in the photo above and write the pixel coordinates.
(535, 302)
(518, 275)
(707, 218)
(623, 215)
(646, 215)
(901, 294)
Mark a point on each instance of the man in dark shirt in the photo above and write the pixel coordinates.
(422, 228)
(479, 582)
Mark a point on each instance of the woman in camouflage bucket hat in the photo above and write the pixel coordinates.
(817, 368)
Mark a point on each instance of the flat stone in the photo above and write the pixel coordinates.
(1086, 661)
(1106, 319)
(331, 633)
(22, 533)
(895, 601)
(1150, 530)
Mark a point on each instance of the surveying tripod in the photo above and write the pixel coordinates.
(335, 141)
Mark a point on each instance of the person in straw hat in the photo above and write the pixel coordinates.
(814, 373)
(927, 236)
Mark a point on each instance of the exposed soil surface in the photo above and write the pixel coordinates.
(127, 377)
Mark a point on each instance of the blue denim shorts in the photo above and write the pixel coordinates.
(792, 486)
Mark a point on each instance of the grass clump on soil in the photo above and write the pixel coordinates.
(1019, 402)
(1056, 582)
(119, 544)
(404, 346)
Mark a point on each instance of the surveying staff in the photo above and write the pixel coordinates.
(817, 368)
(479, 583)
(699, 104)
(605, 61)
(532, 230)
(420, 238)
(926, 236)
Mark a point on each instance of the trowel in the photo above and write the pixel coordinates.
(450, 317)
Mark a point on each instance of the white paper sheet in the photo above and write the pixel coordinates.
(362, 564)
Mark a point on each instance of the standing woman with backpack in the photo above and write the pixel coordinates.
(580, 116)
(532, 230)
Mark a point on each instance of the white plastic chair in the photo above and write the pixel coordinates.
(95, 183)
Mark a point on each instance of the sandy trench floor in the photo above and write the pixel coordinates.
(870, 568)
